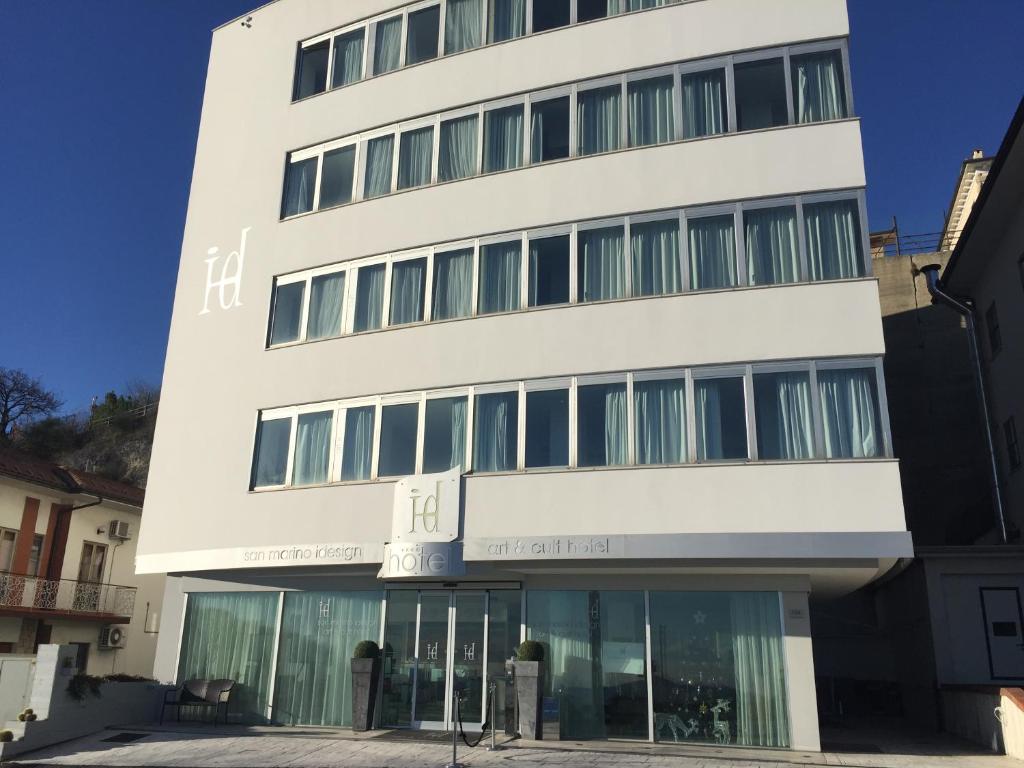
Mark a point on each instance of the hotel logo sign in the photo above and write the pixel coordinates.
(229, 287)
(424, 528)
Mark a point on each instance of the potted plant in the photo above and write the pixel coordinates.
(365, 676)
(529, 667)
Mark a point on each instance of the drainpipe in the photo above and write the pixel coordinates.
(965, 307)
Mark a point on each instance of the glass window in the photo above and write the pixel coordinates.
(995, 335)
(601, 425)
(380, 154)
(272, 437)
(718, 668)
(495, 432)
(311, 72)
(8, 542)
(655, 253)
(588, 10)
(602, 264)
(1013, 452)
(721, 419)
(651, 111)
(312, 448)
(287, 318)
(357, 451)
(369, 298)
(318, 631)
(457, 158)
(549, 14)
(549, 271)
(35, 555)
(408, 285)
(299, 187)
(506, 20)
(819, 88)
(338, 173)
(387, 51)
(761, 94)
(784, 419)
(504, 625)
(463, 22)
(424, 27)
(499, 277)
(453, 285)
(399, 658)
(415, 158)
(326, 301)
(348, 58)
(549, 130)
(444, 438)
(849, 413)
(704, 104)
(547, 428)
(398, 426)
(659, 409)
(834, 244)
(712, 253)
(503, 139)
(599, 128)
(772, 246)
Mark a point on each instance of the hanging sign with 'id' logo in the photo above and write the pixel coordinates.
(424, 527)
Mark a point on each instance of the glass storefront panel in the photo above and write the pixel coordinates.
(319, 631)
(719, 674)
(504, 628)
(230, 635)
(468, 654)
(399, 671)
(431, 675)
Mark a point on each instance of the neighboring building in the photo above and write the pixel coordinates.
(616, 275)
(67, 550)
(973, 174)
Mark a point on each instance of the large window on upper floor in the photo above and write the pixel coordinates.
(769, 412)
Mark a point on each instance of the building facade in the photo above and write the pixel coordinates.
(524, 320)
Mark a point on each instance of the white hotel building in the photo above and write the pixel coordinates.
(600, 266)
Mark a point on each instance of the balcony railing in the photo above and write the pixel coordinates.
(33, 593)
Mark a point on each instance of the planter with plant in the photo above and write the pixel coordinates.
(365, 679)
(529, 667)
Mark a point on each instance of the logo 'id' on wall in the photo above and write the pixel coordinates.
(424, 527)
(227, 286)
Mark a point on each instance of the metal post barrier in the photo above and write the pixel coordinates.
(494, 715)
(455, 733)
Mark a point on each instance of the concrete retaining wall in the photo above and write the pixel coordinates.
(970, 714)
(1011, 716)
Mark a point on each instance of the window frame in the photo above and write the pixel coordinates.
(545, 233)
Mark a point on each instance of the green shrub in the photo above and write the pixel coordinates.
(120, 677)
(366, 649)
(22, 717)
(6, 735)
(29, 711)
(530, 650)
(79, 685)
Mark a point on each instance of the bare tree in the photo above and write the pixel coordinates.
(23, 399)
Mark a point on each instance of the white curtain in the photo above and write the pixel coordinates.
(357, 452)
(462, 25)
(655, 250)
(615, 442)
(453, 285)
(299, 185)
(761, 714)
(712, 253)
(348, 58)
(458, 415)
(773, 250)
(834, 244)
(637, 5)
(325, 304)
(703, 104)
(312, 448)
(784, 419)
(819, 92)
(849, 410)
(369, 298)
(408, 283)
(503, 139)
(494, 432)
(415, 157)
(660, 417)
(601, 416)
(387, 53)
(602, 267)
(599, 127)
(499, 277)
(380, 154)
(507, 20)
(457, 158)
(651, 112)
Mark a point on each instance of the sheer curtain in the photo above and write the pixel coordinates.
(387, 52)
(499, 277)
(761, 716)
(453, 285)
(834, 244)
(457, 158)
(408, 283)
(462, 25)
(773, 250)
(230, 636)
(602, 266)
(601, 420)
(819, 92)
(369, 298)
(503, 139)
(712, 253)
(660, 418)
(655, 250)
(599, 127)
(312, 448)
(703, 104)
(325, 304)
(784, 419)
(380, 153)
(415, 157)
(651, 113)
(357, 452)
(495, 426)
(616, 445)
(348, 58)
(299, 187)
(507, 20)
(849, 409)
(458, 416)
(637, 5)
(319, 632)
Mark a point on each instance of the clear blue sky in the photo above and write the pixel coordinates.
(101, 105)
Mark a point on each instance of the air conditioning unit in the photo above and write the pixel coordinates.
(119, 529)
(113, 636)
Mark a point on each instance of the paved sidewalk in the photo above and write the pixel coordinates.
(320, 748)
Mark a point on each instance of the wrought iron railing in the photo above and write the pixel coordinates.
(65, 595)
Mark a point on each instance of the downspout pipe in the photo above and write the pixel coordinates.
(965, 307)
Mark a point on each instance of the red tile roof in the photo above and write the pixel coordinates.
(32, 470)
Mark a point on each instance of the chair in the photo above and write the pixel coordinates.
(211, 694)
